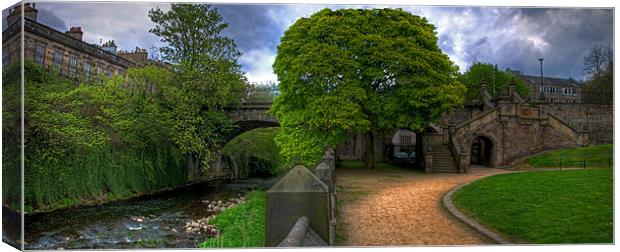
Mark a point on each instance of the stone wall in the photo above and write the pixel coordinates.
(598, 119)
(518, 130)
(353, 148)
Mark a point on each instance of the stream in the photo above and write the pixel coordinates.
(154, 221)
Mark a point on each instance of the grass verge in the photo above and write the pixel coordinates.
(594, 156)
(549, 207)
(242, 226)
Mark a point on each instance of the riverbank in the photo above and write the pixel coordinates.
(177, 218)
(242, 226)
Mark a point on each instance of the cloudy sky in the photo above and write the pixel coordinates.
(510, 37)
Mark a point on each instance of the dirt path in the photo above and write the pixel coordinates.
(401, 207)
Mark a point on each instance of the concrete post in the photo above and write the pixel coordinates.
(298, 193)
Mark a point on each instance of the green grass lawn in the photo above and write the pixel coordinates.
(595, 156)
(548, 207)
(241, 226)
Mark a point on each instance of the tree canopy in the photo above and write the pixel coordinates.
(485, 71)
(365, 71)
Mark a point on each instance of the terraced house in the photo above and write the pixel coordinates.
(64, 52)
(552, 90)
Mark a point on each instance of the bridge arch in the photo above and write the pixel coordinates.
(249, 116)
(243, 126)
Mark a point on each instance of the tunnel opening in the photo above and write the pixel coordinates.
(481, 151)
(251, 153)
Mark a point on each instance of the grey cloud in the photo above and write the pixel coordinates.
(49, 18)
(250, 26)
(510, 37)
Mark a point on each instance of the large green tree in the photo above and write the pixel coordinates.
(365, 71)
(207, 75)
(488, 72)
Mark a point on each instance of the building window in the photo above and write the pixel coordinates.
(86, 70)
(39, 54)
(58, 60)
(405, 140)
(72, 65)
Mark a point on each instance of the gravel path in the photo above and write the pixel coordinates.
(401, 207)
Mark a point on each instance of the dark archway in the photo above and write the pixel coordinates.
(481, 151)
(243, 126)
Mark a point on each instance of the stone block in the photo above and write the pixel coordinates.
(299, 193)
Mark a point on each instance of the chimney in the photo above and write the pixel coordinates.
(109, 46)
(29, 12)
(75, 32)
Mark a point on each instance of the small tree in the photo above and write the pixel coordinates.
(600, 89)
(486, 71)
(367, 71)
(597, 60)
(207, 75)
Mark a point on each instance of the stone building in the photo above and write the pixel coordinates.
(64, 52)
(553, 90)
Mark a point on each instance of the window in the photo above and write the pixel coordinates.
(86, 70)
(72, 65)
(405, 140)
(39, 53)
(58, 60)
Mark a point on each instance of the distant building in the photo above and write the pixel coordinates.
(64, 52)
(552, 90)
(403, 141)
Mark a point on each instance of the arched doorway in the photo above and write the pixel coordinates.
(401, 147)
(481, 152)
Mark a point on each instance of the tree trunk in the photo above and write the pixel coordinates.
(419, 150)
(369, 159)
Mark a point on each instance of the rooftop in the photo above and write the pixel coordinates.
(549, 80)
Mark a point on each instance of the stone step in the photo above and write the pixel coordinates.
(446, 171)
(443, 166)
(441, 153)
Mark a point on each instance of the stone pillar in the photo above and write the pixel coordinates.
(428, 160)
(463, 163)
(483, 90)
(452, 129)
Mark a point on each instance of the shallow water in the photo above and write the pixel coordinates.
(155, 221)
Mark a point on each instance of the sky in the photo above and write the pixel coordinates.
(510, 37)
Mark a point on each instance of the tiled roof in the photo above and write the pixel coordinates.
(549, 81)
